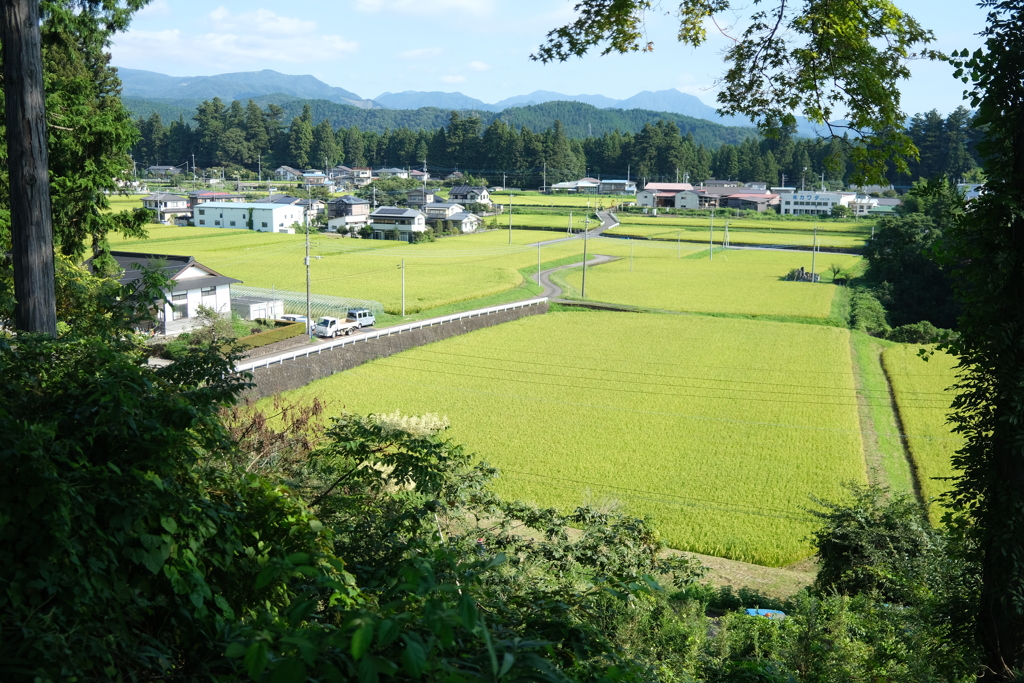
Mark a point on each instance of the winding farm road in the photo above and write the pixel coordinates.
(552, 291)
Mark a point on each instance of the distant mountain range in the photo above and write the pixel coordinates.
(236, 86)
(146, 89)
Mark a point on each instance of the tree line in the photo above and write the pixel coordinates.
(244, 140)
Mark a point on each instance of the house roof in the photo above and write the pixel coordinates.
(241, 205)
(444, 205)
(170, 265)
(211, 193)
(348, 199)
(283, 199)
(619, 181)
(663, 187)
(164, 197)
(391, 170)
(461, 216)
(466, 189)
(160, 168)
(395, 212)
(288, 169)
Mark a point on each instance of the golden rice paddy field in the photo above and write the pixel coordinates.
(718, 429)
(923, 396)
(736, 281)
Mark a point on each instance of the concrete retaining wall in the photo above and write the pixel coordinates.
(298, 372)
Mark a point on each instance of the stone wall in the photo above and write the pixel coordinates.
(298, 372)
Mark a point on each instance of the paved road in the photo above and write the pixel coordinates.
(608, 222)
(553, 291)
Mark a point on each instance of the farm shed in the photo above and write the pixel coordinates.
(252, 308)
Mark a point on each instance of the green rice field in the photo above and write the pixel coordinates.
(790, 237)
(737, 281)
(921, 389)
(718, 429)
(450, 270)
(831, 235)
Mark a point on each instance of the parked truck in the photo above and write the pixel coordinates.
(332, 327)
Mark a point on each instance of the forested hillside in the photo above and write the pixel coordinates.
(525, 146)
(580, 120)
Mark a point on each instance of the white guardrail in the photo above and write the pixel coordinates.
(326, 345)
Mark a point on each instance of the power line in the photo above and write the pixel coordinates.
(702, 418)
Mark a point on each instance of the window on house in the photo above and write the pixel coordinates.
(202, 212)
(264, 224)
(209, 291)
(202, 222)
(232, 224)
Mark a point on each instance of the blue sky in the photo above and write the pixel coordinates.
(477, 47)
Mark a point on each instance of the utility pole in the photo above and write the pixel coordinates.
(570, 222)
(628, 168)
(504, 180)
(28, 161)
(544, 183)
(814, 249)
(193, 171)
(309, 307)
(803, 180)
(510, 218)
(583, 293)
(711, 238)
(725, 241)
(259, 163)
(538, 263)
(677, 175)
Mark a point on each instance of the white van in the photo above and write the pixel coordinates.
(363, 316)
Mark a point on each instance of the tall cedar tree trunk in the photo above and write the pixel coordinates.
(31, 220)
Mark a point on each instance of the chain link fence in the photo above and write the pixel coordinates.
(321, 304)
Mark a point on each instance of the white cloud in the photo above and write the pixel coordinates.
(158, 8)
(479, 66)
(453, 79)
(247, 41)
(422, 52)
(475, 8)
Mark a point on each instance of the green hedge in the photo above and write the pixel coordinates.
(254, 341)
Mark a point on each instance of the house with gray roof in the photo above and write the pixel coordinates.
(468, 194)
(442, 210)
(191, 285)
(348, 212)
(389, 222)
(167, 207)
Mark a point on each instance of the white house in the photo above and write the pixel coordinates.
(261, 217)
(668, 195)
(442, 210)
(192, 285)
(288, 173)
(467, 194)
(794, 202)
(467, 222)
(313, 179)
(391, 173)
(387, 219)
(617, 187)
(167, 206)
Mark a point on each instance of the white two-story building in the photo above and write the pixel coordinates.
(261, 217)
(793, 202)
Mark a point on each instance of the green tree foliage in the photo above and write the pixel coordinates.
(90, 132)
(775, 64)
(904, 268)
(988, 256)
